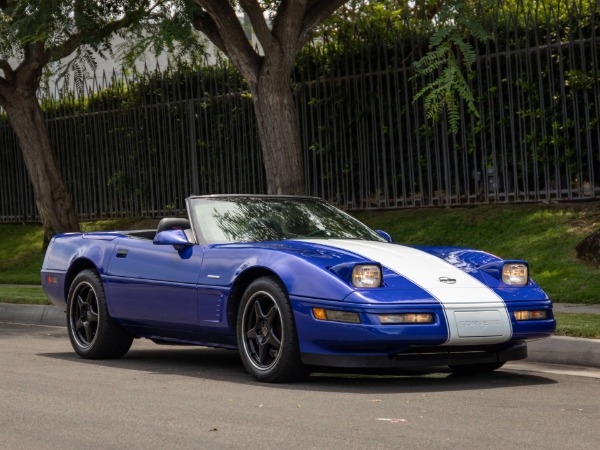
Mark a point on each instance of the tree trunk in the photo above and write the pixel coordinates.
(279, 132)
(54, 204)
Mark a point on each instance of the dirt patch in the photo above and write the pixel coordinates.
(586, 218)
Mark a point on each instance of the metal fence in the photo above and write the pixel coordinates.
(140, 145)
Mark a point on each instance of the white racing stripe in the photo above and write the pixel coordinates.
(474, 313)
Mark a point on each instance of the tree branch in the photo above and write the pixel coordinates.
(317, 11)
(204, 24)
(4, 87)
(288, 23)
(7, 82)
(259, 24)
(427, 10)
(6, 67)
(88, 36)
(235, 44)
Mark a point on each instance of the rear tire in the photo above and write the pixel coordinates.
(93, 334)
(471, 369)
(266, 334)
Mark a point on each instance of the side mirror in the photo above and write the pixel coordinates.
(384, 235)
(176, 238)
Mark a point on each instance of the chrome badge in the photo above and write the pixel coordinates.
(447, 280)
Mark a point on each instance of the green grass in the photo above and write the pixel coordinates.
(28, 295)
(544, 235)
(20, 253)
(578, 325)
(21, 248)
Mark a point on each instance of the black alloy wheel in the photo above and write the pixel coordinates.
(83, 315)
(267, 334)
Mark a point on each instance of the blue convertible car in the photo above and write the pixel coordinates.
(294, 284)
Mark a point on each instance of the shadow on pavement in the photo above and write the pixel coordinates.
(225, 365)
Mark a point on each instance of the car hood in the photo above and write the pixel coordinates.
(417, 265)
(451, 275)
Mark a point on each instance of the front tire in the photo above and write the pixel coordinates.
(266, 334)
(93, 334)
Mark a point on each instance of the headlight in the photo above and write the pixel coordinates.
(366, 275)
(515, 274)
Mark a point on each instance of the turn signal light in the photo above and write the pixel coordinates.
(335, 315)
(541, 314)
(386, 319)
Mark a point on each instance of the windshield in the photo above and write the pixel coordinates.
(254, 219)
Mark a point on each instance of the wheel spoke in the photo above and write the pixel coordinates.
(263, 353)
(254, 323)
(272, 318)
(90, 300)
(79, 325)
(80, 303)
(93, 317)
(272, 315)
(273, 341)
(258, 310)
(251, 334)
(89, 332)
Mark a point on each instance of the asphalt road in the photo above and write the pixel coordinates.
(175, 397)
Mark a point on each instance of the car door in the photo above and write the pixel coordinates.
(154, 285)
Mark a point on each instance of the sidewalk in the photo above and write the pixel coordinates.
(554, 350)
(573, 308)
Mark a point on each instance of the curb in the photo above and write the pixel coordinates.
(565, 350)
(32, 314)
(554, 350)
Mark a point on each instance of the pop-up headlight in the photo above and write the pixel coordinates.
(366, 275)
(515, 274)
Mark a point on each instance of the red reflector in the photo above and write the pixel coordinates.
(51, 280)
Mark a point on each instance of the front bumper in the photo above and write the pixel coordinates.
(370, 344)
(423, 357)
